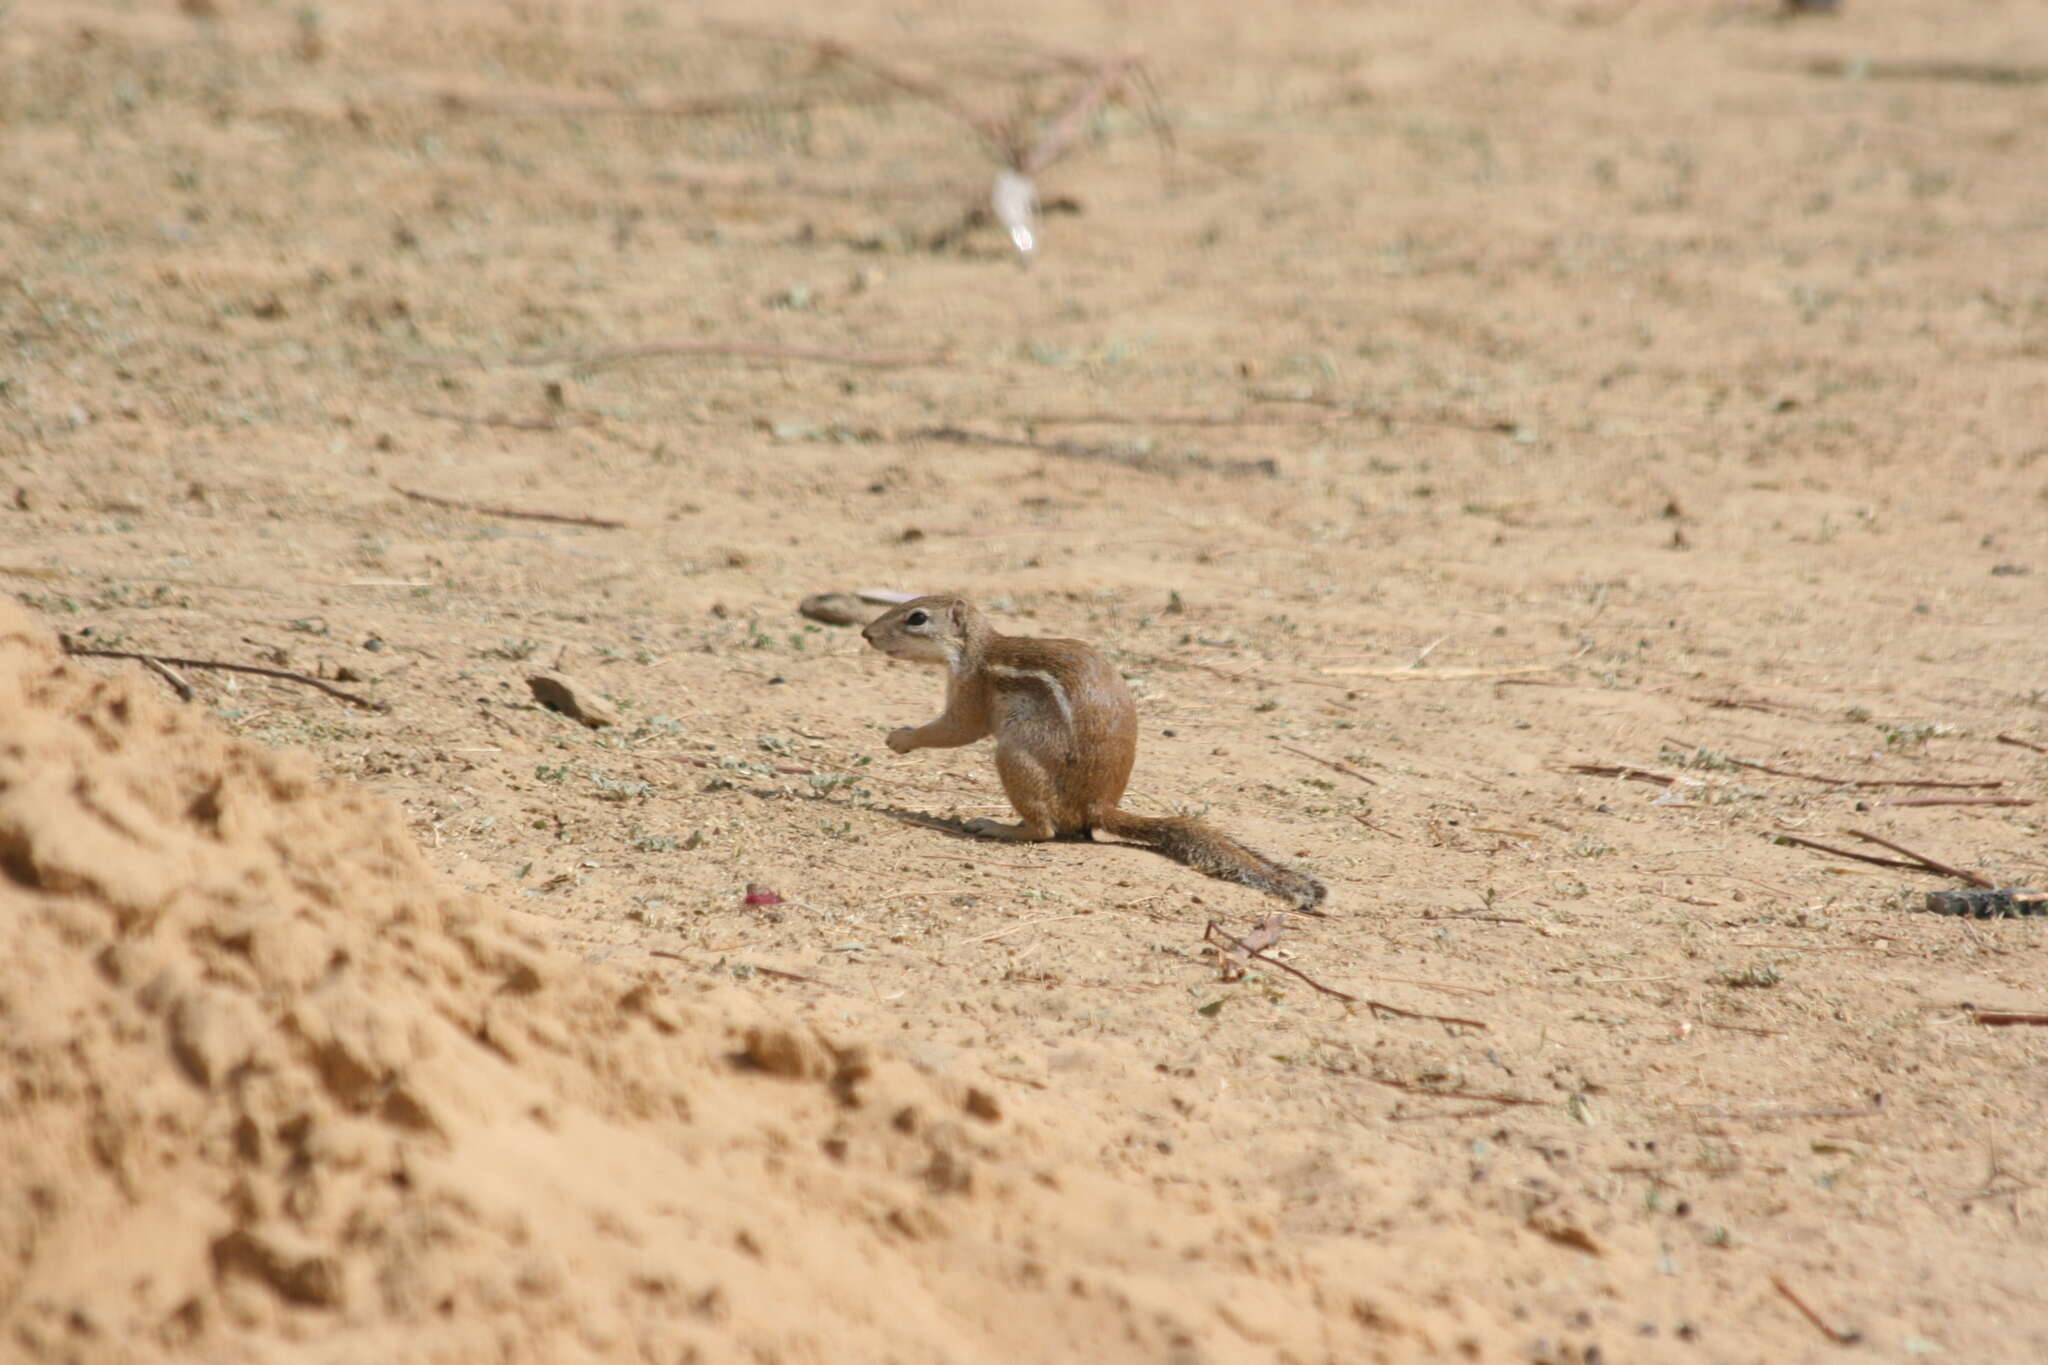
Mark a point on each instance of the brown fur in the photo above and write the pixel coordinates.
(1066, 733)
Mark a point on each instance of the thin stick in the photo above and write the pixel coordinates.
(749, 350)
(1959, 801)
(1101, 88)
(1710, 1111)
(1835, 781)
(498, 419)
(1625, 771)
(1988, 73)
(1839, 1337)
(1446, 987)
(781, 975)
(1337, 413)
(1143, 461)
(1943, 868)
(351, 698)
(1439, 674)
(1846, 853)
(178, 684)
(2022, 743)
(1018, 928)
(1379, 1007)
(518, 514)
(576, 102)
(1741, 1028)
(1380, 828)
(1332, 764)
(1216, 932)
(1409, 1087)
(2001, 1018)
(988, 129)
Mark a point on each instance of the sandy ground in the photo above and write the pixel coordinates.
(1462, 397)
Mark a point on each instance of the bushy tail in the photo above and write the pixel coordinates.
(1187, 840)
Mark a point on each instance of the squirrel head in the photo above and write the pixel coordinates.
(928, 630)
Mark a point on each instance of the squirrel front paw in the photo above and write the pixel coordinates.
(903, 739)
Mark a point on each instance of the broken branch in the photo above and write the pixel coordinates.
(1836, 1335)
(1378, 1007)
(1930, 864)
(1710, 1111)
(748, 350)
(1959, 801)
(499, 419)
(517, 514)
(286, 674)
(1846, 853)
(1833, 781)
(1623, 770)
(1409, 1087)
(2004, 1018)
(1333, 765)
(178, 684)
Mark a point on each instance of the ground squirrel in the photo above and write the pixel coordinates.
(1066, 733)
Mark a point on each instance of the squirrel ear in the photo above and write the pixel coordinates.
(957, 613)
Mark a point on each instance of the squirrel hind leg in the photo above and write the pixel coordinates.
(1034, 794)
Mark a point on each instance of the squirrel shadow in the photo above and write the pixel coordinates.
(959, 830)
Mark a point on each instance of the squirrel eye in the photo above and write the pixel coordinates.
(916, 618)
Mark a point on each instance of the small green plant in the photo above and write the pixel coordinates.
(551, 772)
(50, 604)
(824, 784)
(513, 650)
(621, 789)
(1913, 736)
(1756, 976)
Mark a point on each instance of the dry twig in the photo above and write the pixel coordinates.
(1834, 1334)
(1409, 1087)
(2022, 743)
(1333, 765)
(746, 350)
(178, 684)
(1382, 829)
(499, 419)
(1215, 933)
(1959, 801)
(1772, 1115)
(1126, 456)
(517, 514)
(1835, 781)
(1778, 838)
(1440, 674)
(573, 102)
(1625, 771)
(2002, 1018)
(1926, 862)
(1101, 88)
(1018, 928)
(368, 704)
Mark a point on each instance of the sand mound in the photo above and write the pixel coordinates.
(270, 1081)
